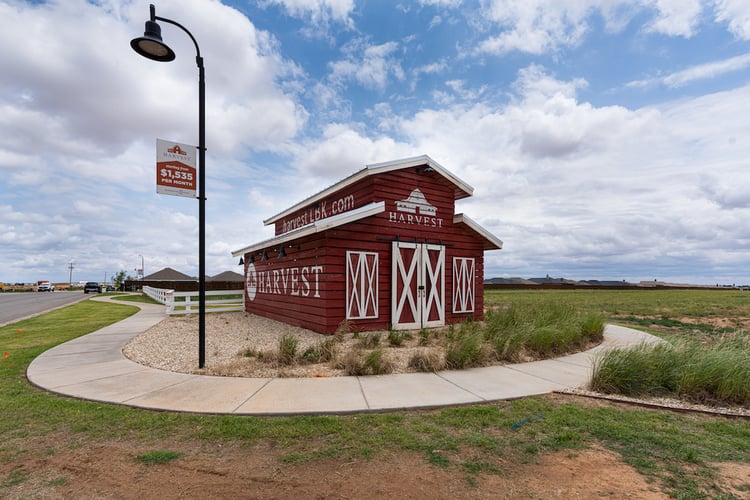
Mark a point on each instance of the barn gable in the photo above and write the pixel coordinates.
(382, 248)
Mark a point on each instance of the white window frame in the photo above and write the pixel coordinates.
(464, 284)
(362, 285)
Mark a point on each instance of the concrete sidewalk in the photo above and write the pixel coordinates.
(93, 368)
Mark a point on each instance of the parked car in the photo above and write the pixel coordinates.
(45, 287)
(92, 286)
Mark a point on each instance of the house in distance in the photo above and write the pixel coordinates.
(382, 248)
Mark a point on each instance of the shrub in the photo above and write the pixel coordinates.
(343, 328)
(718, 374)
(311, 355)
(424, 336)
(396, 337)
(377, 364)
(643, 370)
(359, 362)
(322, 352)
(545, 329)
(710, 374)
(427, 360)
(288, 349)
(370, 340)
(592, 327)
(327, 349)
(465, 348)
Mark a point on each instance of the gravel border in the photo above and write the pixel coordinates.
(663, 404)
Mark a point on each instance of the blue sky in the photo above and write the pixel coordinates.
(605, 139)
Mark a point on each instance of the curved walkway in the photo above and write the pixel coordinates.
(93, 367)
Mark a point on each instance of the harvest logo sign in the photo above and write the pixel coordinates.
(415, 210)
(175, 169)
(294, 281)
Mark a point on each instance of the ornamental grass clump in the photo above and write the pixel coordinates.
(360, 362)
(427, 360)
(287, 349)
(541, 330)
(396, 337)
(643, 370)
(712, 374)
(465, 347)
(717, 374)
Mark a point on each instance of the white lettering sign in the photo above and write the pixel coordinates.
(325, 209)
(420, 220)
(294, 281)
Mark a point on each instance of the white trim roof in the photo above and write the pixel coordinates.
(316, 227)
(463, 190)
(494, 243)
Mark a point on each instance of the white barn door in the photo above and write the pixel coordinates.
(417, 285)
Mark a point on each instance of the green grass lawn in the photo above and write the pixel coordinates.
(678, 451)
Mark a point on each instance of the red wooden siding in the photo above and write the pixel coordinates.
(313, 287)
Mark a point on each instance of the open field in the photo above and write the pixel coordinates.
(698, 314)
(539, 447)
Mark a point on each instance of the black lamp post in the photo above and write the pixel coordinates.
(151, 46)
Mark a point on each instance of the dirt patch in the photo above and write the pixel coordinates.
(740, 323)
(735, 478)
(112, 471)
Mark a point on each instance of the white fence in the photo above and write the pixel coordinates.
(188, 302)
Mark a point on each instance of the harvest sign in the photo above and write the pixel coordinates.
(175, 169)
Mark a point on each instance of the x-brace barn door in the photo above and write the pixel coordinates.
(417, 285)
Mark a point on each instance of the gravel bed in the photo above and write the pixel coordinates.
(172, 345)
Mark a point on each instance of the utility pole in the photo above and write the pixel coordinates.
(70, 278)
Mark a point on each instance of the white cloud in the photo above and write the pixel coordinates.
(319, 12)
(703, 71)
(342, 150)
(369, 65)
(442, 3)
(676, 17)
(535, 26)
(736, 13)
(545, 26)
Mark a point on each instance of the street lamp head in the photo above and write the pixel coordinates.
(150, 44)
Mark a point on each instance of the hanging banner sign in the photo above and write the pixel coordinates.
(175, 169)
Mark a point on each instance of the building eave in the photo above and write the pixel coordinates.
(316, 227)
(492, 242)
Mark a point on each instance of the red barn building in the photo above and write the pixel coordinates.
(382, 248)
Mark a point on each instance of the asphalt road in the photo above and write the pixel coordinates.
(16, 306)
